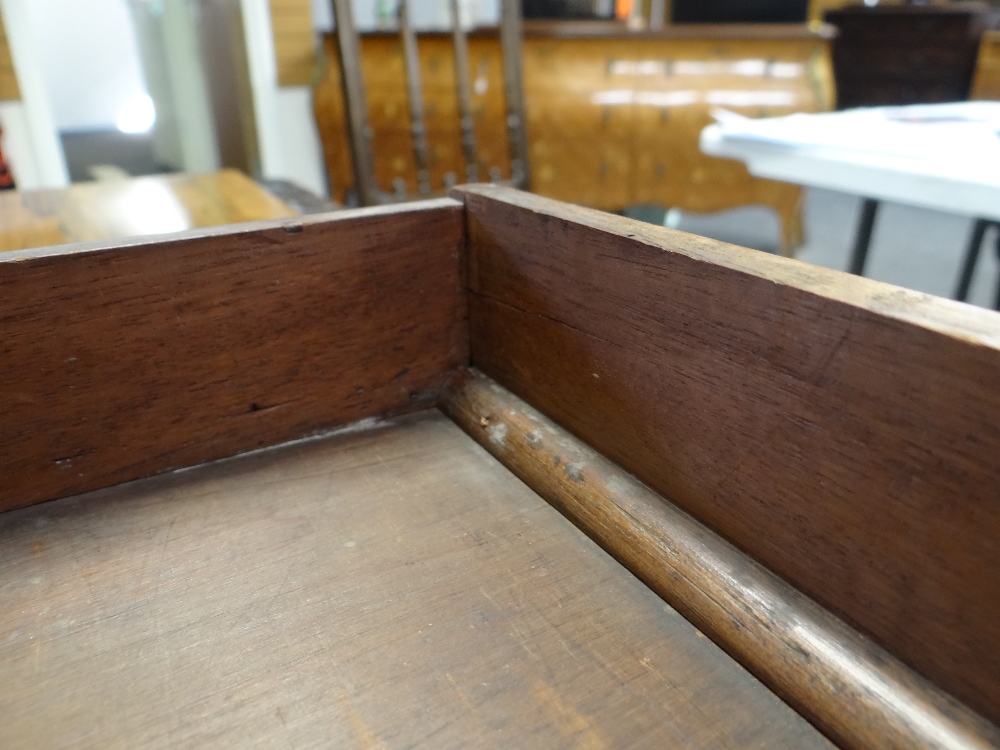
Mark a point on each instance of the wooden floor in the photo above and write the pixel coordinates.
(132, 208)
(390, 588)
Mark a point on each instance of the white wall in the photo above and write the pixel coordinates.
(303, 159)
(32, 143)
(286, 129)
(191, 95)
(88, 58)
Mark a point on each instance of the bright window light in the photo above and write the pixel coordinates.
(138, 116)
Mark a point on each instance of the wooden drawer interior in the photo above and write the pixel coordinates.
(495, 471)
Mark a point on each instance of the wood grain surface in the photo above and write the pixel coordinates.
(123, 361)
(843, 432)
(135, 207)
(986, 81)
(854, 691)
(396, 588)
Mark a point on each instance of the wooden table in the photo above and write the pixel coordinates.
(132, 207)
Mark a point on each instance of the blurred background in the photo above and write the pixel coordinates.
(615, 95)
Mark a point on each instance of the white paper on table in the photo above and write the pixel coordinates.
(964, 133)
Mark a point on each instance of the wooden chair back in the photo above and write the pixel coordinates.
(356, 105)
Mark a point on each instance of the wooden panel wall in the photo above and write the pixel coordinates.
(126, 361)
(9, 88)
(843, 432)
(294, 41)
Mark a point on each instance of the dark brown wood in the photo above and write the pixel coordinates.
(855, 692)
(118, 362)
(906, 54)
(392, 588)
(843, 432)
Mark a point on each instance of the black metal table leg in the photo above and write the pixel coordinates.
(869, 209)
(971, 257)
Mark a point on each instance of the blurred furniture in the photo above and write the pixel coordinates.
(132, 207)
(294, 41)
(414, 108)
(613, 115)
(944, 157)
(905, 54)
(986, 81)
(739, 11)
